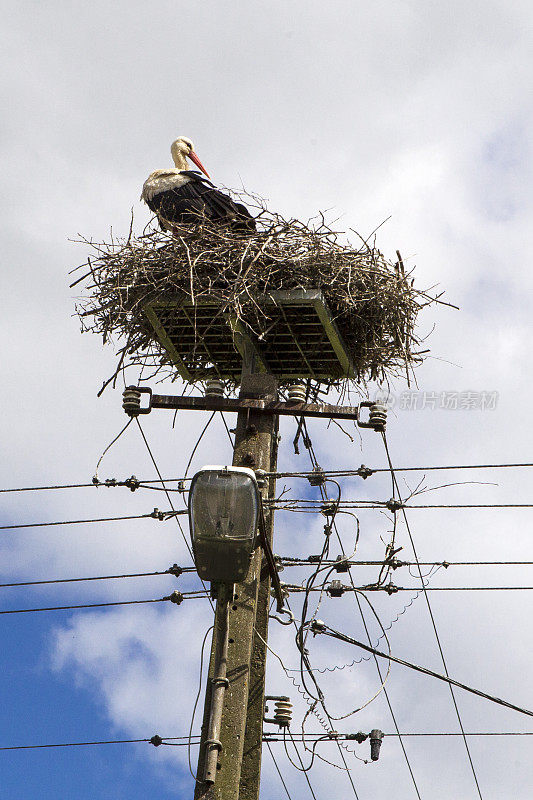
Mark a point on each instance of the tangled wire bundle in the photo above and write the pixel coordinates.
(373, 301)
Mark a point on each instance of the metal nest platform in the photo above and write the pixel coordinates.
(301, 339)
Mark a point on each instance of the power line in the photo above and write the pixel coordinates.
(387, 698)
(364, 471)
(153, 740)
(316, 467)
(278, 769)
(268, 738)
(171, 571)
(320, 737)
(306, 776)
(325, 629)
(175, 513)
(131, 483)
(175, 597)
(391, 588)
(156, 514)
(333, 473)
(396, 490)
(289, 561)
(281, 504)
(48, 488)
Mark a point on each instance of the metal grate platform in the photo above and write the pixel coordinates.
(301, 339)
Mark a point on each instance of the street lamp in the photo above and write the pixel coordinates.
(224, 505)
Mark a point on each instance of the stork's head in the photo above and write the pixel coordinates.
(182, 149)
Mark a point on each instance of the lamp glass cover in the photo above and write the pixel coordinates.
(224, 505)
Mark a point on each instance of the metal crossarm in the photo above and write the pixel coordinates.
(300, 340)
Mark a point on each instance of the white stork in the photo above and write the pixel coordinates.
(181, 196)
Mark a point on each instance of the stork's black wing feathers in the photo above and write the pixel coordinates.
(198, 197)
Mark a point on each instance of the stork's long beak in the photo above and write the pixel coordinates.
(194, 158)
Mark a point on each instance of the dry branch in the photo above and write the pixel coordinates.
(373, 301)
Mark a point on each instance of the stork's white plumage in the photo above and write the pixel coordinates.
(181, 196)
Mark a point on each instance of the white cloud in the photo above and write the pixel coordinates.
(421, 111)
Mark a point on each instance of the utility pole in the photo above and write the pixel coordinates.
(229, 761)
(241, 728)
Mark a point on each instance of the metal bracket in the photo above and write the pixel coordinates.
(132, 405)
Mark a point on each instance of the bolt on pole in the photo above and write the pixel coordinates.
(240, 735)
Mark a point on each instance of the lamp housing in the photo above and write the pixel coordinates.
(224, 504)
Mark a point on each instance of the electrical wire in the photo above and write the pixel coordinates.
(111, 443)
(88, 744)
(289, 561)
(206, 426)
(424, 670)
(226, 427)
(268, 738)
(281, 504)
(184, 596)
(433, 623)
(393, 589)
(98, 578)
(278, 770)
(306, 776)
(197, 699)
(367, 471)
(320, 737)
(304, 659)
(332, 473)
(161, 515)
(108, 483)
(207, 593)
(314, 461)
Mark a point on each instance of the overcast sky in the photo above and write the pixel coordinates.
(417, 111)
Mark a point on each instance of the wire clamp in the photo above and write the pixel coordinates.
(175, 570)
(342, 564)
(260, 476)
(335, 589)
(317, 477)
(157, 514)
(329, 508)
(395, 563)
(394, 505)
(214, 743)
(364, 472)
(359, 737)
(317, 626)
(390, 588)
(283, 590)
(132, 483)
(156, 740)
(176, 597)
(220, 682)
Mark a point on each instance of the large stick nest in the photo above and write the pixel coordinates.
(373, 301)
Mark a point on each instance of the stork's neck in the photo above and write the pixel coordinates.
(180, 161)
